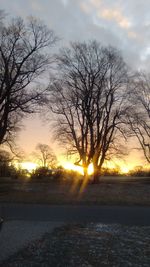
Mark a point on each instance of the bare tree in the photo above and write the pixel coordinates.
(5, 161)
(139, 116)
(23, 58)
(5, 157)
(45, 156)
(88, 96)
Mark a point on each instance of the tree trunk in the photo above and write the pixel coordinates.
(85, 170)
(96, 178)
(96, 174)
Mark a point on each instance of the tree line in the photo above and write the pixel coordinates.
(96, 98)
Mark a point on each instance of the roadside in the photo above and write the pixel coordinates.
(16, 235)
(90, 245)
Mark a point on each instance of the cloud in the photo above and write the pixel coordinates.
(85, 7)
(132, 34)
(36, 5)
(117, 16)
(65, 2)
(124, 24)
(95, 3)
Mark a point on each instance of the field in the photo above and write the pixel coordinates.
(110, 191)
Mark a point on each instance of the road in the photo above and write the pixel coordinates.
(24, 223)
(16, 235)
(104, 214)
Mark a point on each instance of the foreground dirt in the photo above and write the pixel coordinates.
(106, 193)
(91, 245)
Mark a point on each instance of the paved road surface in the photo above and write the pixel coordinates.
(25, 223)
(105, 214)
(16, 235)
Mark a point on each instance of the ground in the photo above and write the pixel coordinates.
(108, 192)
(84, 245)
(90, 245)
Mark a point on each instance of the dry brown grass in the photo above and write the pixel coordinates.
(124, 193)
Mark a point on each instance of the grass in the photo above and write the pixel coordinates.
(110, 192)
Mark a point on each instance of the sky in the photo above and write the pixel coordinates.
(123, 24)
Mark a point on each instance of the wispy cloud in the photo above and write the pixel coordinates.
(115, 15)
(95, 3)
(36, 5)
(65, 2)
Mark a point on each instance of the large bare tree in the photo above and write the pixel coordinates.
(139, 116)
(88, 98)
(24, 57)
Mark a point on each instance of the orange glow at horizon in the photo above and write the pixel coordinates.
(90, 169)
(70, 166)
(123, 167)
(26, 165)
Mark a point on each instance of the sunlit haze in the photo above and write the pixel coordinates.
(30, 166)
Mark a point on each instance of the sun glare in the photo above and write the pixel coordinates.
(124, 169)
(71, 166)
(30, 166)
(110, 165)
(90, 169)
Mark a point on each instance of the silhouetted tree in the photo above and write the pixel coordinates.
(88, 97)
(23, 58)
(45, 156)
(5, 157)
(5, 160)
(139, 116)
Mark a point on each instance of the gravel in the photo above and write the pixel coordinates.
(90, 245)
(16, 235)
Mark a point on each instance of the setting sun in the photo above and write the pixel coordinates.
(90, 169)
(124, 169)
(73, 167)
